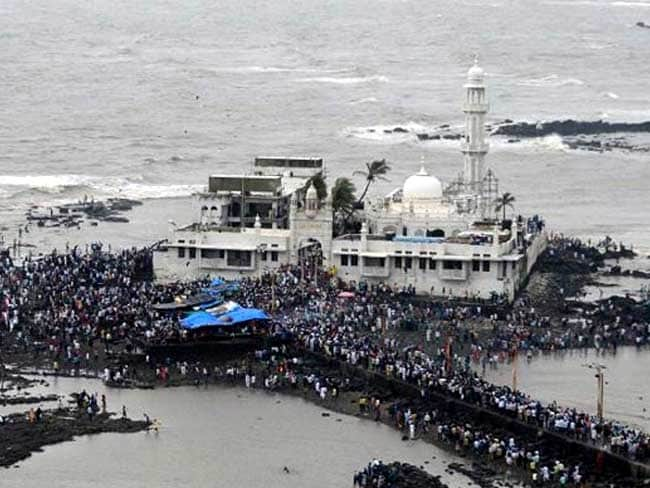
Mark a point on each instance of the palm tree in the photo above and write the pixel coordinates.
(503, 202)
(318, 181)
(343, 196)
(343, 200)
(374, 171)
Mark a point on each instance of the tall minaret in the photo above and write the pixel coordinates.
(474, 146)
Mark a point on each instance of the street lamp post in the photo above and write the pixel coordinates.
(600, 385)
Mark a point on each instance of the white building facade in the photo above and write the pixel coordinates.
(441, 240)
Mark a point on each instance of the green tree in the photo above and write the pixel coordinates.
(374, 171)
(343, 200)
(503, 202)
(343, 197)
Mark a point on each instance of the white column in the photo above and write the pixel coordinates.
(474, 146)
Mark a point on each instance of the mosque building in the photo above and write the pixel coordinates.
(439, 240)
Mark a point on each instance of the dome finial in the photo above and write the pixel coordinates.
(475, 73)
(422, 172)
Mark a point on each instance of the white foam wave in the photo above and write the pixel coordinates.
(354, 80)
(552, 81)
(99, 187)
(364, 100)
(272, 69)
(553, 143)
(139, 191)
(45, 181)
(387, 133)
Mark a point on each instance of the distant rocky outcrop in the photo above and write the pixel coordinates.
(568, 127)
(582, 135)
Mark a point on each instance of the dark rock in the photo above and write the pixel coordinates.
(569, 127)
(19, 438)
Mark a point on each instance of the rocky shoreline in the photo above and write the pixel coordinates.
(20, 437)
(587, 135)
(396, 475)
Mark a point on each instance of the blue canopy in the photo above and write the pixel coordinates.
(242, 315)
(217, 282)
(238, 315)
(199, 319)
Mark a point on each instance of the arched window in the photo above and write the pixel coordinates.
(436, 233)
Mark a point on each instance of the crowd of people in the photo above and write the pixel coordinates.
(72, 308)
(375, 475)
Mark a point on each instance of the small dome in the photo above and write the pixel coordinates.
(422, 186)
(312, 194)
(475, 73)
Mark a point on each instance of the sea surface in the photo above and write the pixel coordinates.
(565, 377)
(146, 99)
(219, 437)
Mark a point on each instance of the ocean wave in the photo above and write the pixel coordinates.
(364, 100)
(552, 81)
(273, 69)
(139, 191)
(98, 187)
(553, 143)
(387, 133)
(45, 181)
(353, 80)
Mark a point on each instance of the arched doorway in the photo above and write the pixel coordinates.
(436, 233)
(310, 259)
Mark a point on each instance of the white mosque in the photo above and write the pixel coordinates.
(441, 240)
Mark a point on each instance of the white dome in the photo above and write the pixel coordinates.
(422, 186)
(475, 73)
(312, 194)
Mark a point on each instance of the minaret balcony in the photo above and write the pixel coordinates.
(476, 107)
(474, 147)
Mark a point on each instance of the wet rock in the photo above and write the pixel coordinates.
(18, 400)
(403, 475)
(569, 127)
(19, 438)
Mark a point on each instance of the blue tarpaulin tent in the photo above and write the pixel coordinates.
(235, 316)
(242, 315)
(199, 319)
(217, 282)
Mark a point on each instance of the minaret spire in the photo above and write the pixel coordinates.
(474, 145)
